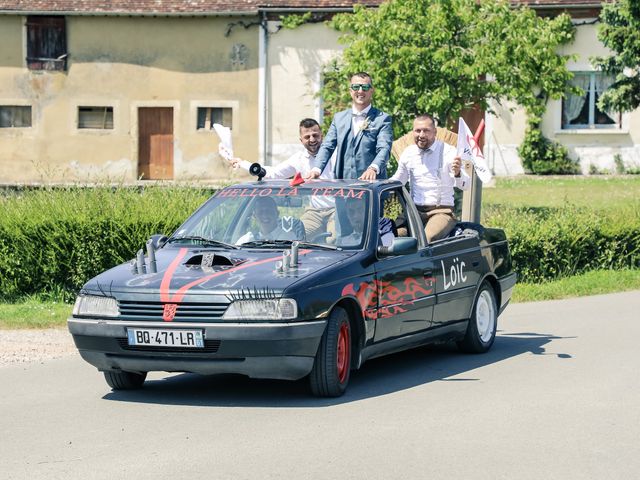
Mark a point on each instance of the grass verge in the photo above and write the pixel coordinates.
(37, 313)
(591, 283)
(34, 313)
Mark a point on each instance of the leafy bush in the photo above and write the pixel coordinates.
(548, 243)
(543, 157)
(54, 240)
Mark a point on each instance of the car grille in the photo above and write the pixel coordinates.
(185, 312)
(210, 346)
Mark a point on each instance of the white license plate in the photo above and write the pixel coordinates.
(165, 338)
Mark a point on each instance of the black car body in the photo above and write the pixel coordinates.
(207, 301)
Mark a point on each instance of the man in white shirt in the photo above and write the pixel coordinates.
(432, 169)
(318, 217)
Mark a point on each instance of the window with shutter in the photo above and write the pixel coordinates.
(46, 43)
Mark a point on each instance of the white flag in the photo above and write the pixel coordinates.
(226, 147)
(468, 149)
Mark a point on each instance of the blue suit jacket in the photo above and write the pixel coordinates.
(370, 146)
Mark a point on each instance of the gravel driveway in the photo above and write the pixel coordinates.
(27, 346)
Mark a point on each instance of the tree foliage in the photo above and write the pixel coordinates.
(620, 32)
(443, 56)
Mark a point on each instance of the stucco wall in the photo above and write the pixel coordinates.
(128, 63)
(295, 62)
(598, 148)
(11, 44)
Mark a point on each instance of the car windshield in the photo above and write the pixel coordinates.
(271, 217)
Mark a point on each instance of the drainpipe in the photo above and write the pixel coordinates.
(262, 91)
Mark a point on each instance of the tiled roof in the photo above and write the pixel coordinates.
(130, 7)
(317, 4)
(212, 7)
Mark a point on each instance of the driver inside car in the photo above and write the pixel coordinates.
(270, 225)
(356, 213)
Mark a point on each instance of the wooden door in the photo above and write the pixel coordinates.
(155, 143)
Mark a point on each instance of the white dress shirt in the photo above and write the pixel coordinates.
(299, 162)
(430, 174)
(358, 118)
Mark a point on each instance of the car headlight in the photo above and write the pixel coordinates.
(265, 309)
(96, 306)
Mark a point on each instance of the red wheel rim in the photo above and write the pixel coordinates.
(343, 352)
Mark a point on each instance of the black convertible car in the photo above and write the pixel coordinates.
(274, 280)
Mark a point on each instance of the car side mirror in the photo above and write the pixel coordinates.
(158, 240)
(400, 246)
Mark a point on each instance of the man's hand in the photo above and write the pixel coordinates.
(369, 174)
(455, 166)
(228, 156)
(311, 175)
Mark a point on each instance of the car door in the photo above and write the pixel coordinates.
(405, 283)
(457, 265)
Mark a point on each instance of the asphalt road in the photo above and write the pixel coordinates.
(557, 397)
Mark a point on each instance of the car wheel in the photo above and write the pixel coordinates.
(332, 367)
(125, 380)
(481, 331)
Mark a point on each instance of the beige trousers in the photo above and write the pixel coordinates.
(438, 221)
(319, 220)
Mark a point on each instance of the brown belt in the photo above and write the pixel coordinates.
(428, 208)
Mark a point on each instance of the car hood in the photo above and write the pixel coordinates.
(180, 273)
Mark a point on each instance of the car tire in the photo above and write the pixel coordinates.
(332, 366)
(125, 380)
(481, 331)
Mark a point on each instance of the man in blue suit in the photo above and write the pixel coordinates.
(361, 137)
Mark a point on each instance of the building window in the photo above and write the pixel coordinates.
(46, 43)
(95, 117)
(582, 111)
(207, 116)
(15, 116)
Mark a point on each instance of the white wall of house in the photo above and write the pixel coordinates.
(295, 61)
(597, 147)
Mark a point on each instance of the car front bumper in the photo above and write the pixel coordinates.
(258, 350)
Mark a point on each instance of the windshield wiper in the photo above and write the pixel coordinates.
(286, 243)
(202, 241)
(324, 246)
(267, 243)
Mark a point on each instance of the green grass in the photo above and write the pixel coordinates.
(591, 283)
(598, 193)
(34, 313)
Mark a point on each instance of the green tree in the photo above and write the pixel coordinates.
(620, 32)
(443, 56)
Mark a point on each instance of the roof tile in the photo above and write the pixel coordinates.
(204, 7)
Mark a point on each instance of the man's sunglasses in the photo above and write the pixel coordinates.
(365, 87)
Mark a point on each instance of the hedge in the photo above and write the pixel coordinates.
(550, 243)
(53, 240)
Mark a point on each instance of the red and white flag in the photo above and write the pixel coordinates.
(468, 149)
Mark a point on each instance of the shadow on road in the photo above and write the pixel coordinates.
(377, 377)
